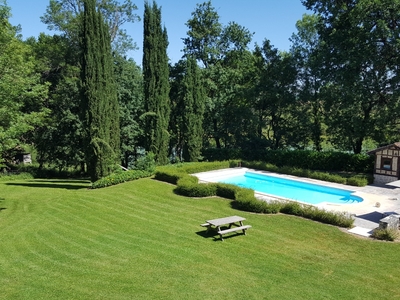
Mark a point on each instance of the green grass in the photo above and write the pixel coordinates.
(139, 240)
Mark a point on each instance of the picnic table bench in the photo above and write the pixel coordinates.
(235, 221)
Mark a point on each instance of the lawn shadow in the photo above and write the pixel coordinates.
(62, 181)
(2, 208)
(56, 184)
(213, 234)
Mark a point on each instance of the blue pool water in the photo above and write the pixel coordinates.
(293, 189)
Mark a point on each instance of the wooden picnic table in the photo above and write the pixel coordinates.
(235, 221)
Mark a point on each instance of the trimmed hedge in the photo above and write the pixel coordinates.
(120, 177)
(356, 180)
(16, 176)
(304, 159)
(341, 219)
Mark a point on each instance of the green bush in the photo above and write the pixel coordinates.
(303, 159)
(198, 167)
(385, 234)
(357, 181)
(336, 178)
(48, 172)
(171, 176)
(341, 219)
(291, 208)
(188, 186)
(15, 176)
(146, 163)
(120, 177)
(226, 190)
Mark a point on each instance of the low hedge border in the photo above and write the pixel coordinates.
(355, 180)
(15, 176)
(120, 177)
(244, 199)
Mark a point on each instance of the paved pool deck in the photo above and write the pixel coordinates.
(378, 200)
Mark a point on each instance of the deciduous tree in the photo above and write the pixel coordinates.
(22, 95)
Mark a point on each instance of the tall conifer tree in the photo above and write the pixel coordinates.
(193, 114)
(156, 84)
(99, 97)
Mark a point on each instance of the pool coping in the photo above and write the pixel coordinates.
(378, 201)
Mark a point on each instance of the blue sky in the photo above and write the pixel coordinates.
(268, 19)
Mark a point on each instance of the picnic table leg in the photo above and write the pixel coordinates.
(219, 229)
(244, 230)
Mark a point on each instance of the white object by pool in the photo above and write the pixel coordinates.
(292, 189)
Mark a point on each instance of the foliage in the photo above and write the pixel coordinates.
(275, 105)
(15, 176)
(48, 171)
(227, 191)
(193, 114)
(170, 176)
(129, 82)
(197, 167)
(355, 180)
(341, 219)
(65, 16)
(304, 159)
(360, 41)
(226, 64)
(172, 173)
(156, 84)
(310, 103)
(358, 181)
(385, 234)
(22, 95)
(100, 111)
(189, 187)
(146, 163)
(120, 177)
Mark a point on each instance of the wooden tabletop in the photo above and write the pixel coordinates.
(226, 220)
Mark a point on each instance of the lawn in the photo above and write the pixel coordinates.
(139, 240)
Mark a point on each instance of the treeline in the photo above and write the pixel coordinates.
(337, 87)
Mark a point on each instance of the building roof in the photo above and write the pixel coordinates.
(396, 145)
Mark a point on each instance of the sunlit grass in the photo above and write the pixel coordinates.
(139, 240)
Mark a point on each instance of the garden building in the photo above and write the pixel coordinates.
(387, 163)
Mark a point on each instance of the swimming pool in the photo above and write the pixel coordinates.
(293, 189)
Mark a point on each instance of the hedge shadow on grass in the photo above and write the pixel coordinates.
(50, 184)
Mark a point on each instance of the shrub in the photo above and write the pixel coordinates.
(357, 181)
(188, 186)
(303, 159)
(385, 234)
(226, 190)
(171, 176)
(249, 204)
(146, 163)
(15, 176)
(198, 167)
(292, 208)
(117, 178)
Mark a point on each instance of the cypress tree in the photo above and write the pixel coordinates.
(99, 97)
(194, 102)
(156, 83)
